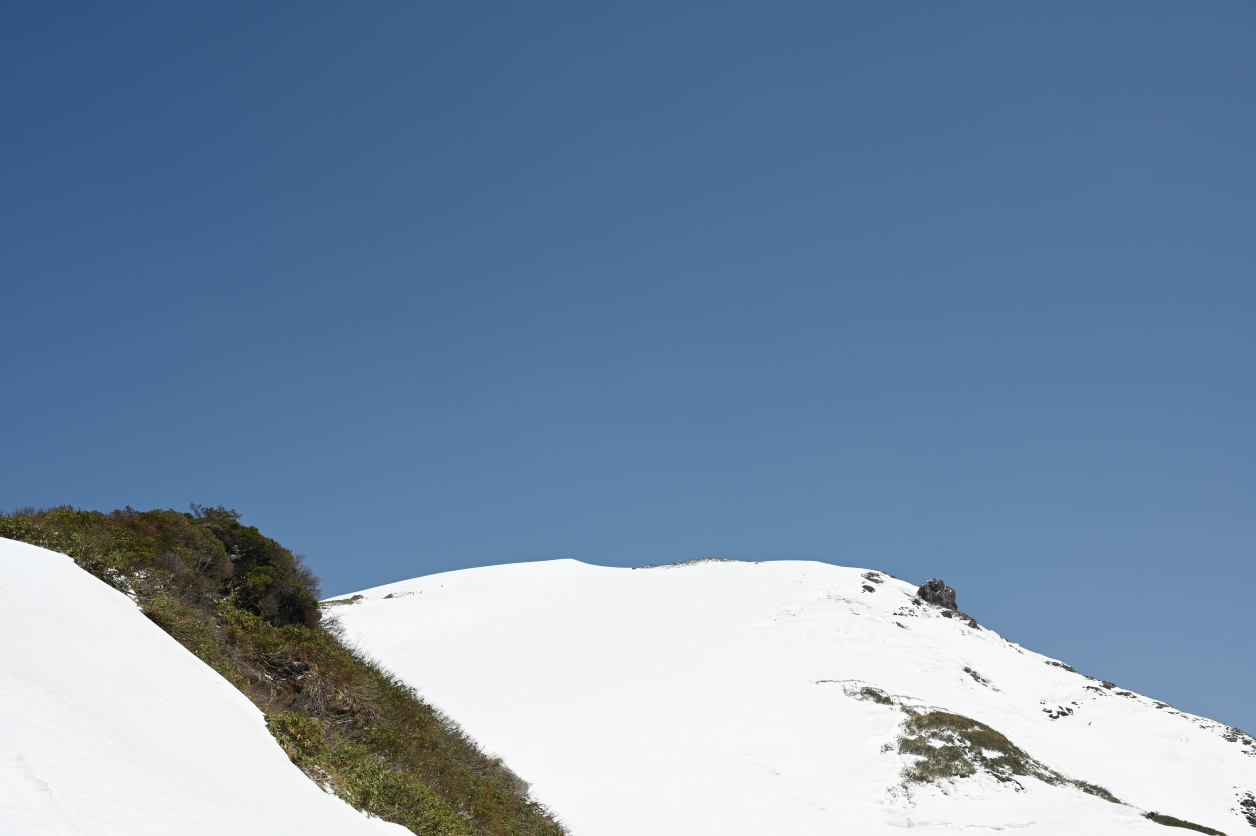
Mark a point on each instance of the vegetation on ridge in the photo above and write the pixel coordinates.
(249, 608)
(940, 746)
(1170, 821)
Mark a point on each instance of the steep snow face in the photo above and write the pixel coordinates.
(737, 698)
(109, 726)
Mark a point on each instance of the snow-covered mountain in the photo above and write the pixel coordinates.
(732, 698)
(109, 726)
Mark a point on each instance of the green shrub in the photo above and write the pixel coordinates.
(248, 607)
(1170, 821)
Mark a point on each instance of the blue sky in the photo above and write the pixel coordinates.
(960, 290)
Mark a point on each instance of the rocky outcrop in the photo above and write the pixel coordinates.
(936, 592)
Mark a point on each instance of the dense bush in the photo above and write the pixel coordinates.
(248, 607)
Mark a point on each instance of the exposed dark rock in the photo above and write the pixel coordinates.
(1247, 803)
(867, 588)
(936, 592)
(977, 677)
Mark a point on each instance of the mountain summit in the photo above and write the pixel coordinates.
(730, 698)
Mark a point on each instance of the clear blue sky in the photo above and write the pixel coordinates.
(946, 289)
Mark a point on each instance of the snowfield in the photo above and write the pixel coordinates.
(767, 699)
(109, 726)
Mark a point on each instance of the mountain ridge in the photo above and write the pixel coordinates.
(749, 672)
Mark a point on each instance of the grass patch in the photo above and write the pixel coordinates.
(248, 607)
(856, 690)
(340, 602)
(876, 695)
(941, 746)
(1170, 821)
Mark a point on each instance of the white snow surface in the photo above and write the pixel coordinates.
(109, 726)
(713, 699)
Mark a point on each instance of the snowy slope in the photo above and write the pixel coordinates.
(717, 699)
(109, 726)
